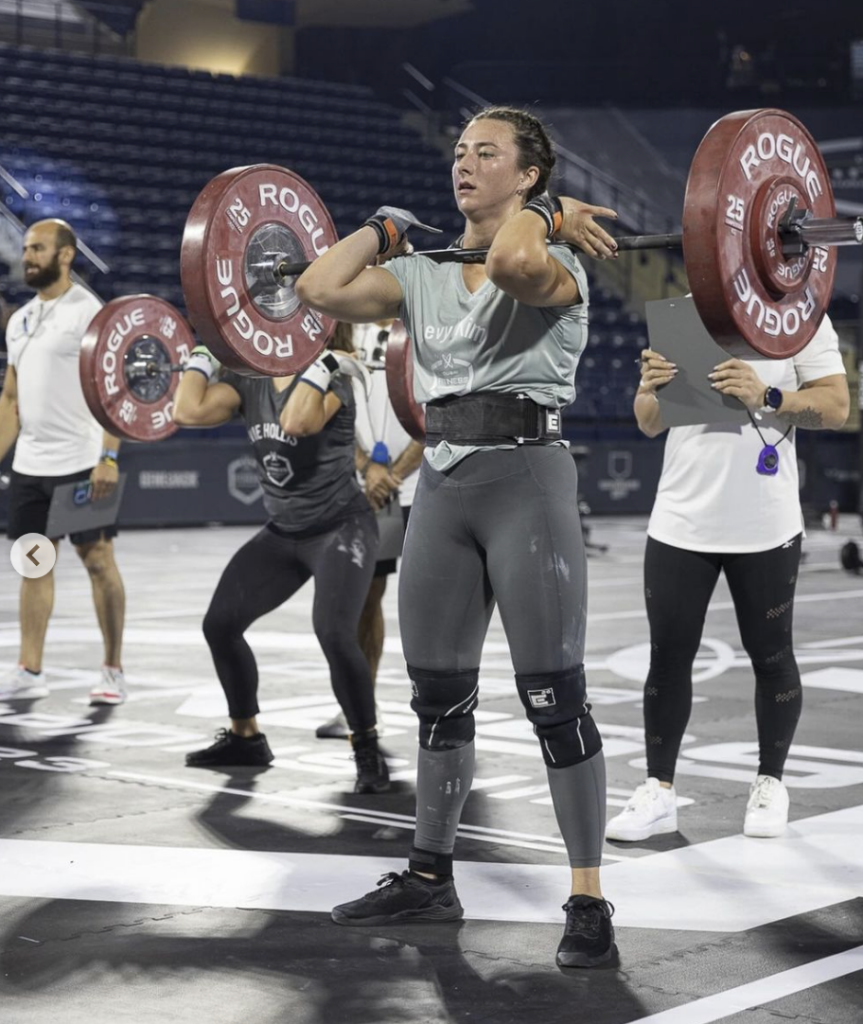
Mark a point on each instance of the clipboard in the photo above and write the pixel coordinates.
(675, 331)
(73, 511)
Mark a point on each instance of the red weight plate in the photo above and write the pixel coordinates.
(240, 227)
(125, 362)
(743, 176)
(400, 383)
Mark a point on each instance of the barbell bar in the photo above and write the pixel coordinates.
(825, 231)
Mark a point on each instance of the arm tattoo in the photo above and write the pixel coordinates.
(808, 418)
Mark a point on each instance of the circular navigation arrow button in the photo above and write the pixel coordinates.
(33, 556)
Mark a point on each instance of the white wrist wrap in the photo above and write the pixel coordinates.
(203, 363)
(320, 373)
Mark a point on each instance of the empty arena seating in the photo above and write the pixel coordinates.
(121, 149)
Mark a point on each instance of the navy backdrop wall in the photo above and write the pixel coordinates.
(183, 482)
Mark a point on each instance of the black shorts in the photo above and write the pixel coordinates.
(30, 499)
(388, 566)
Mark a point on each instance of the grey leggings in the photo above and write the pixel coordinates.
(500, 527)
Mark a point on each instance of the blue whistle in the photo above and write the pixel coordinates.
(381, 454)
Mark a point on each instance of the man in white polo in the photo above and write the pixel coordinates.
(44, 414)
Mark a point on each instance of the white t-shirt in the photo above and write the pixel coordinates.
(58, 433)
(710, 497)
(376, 419)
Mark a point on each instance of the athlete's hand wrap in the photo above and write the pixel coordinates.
(320, 373)
(391, 225)
(203, 360)
(550, 209)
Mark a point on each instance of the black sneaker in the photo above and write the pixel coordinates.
(373, 776)
(404, 897)
(232, 749)
(588, 938)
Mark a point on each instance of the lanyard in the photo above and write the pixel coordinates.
(768, 457)
(44, 314)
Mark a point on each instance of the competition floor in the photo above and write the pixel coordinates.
(133, 889)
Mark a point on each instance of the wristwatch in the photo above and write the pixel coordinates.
(773, 399)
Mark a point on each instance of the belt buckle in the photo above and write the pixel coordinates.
(552, 424)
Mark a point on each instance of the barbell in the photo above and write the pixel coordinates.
(759, 239)
(759, 244)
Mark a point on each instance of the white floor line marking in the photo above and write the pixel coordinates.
(759, 993)
(722, 886)
(845, 641)
(725, 885)
(496, 840)
(848, 679)
(381, 817)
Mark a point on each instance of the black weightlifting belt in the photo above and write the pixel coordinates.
(490, 418)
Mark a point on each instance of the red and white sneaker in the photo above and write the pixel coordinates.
(111, 689)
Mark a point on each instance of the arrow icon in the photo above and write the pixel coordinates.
(30, 554)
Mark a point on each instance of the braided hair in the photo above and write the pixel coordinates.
(534, 146)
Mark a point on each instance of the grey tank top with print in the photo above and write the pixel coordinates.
(466, 342)
(309, 483)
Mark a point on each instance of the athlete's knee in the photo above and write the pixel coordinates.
(556, 706)
(444, 703)
(97, 557)
(340, 646)
(221, 627)
(772, 660)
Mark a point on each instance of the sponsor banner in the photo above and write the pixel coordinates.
(184, 482)
(618, 476)
(623, 476)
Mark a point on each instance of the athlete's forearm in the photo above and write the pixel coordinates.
(342, 284)
(409, 461)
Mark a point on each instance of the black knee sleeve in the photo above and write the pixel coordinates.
(556, 705)
(444, 703)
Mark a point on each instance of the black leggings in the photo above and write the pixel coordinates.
(268, 570)
(678, 585)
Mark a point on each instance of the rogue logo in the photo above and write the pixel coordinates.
(770, 147)
(767, 319)
(239, 319)
(122, 329)
(289, 201)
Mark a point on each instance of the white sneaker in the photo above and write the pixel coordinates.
(111, 689)
(651, 811)
(337, 727)
(767, 809)
(23, 685)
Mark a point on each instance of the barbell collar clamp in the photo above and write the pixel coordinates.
(140, 368)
